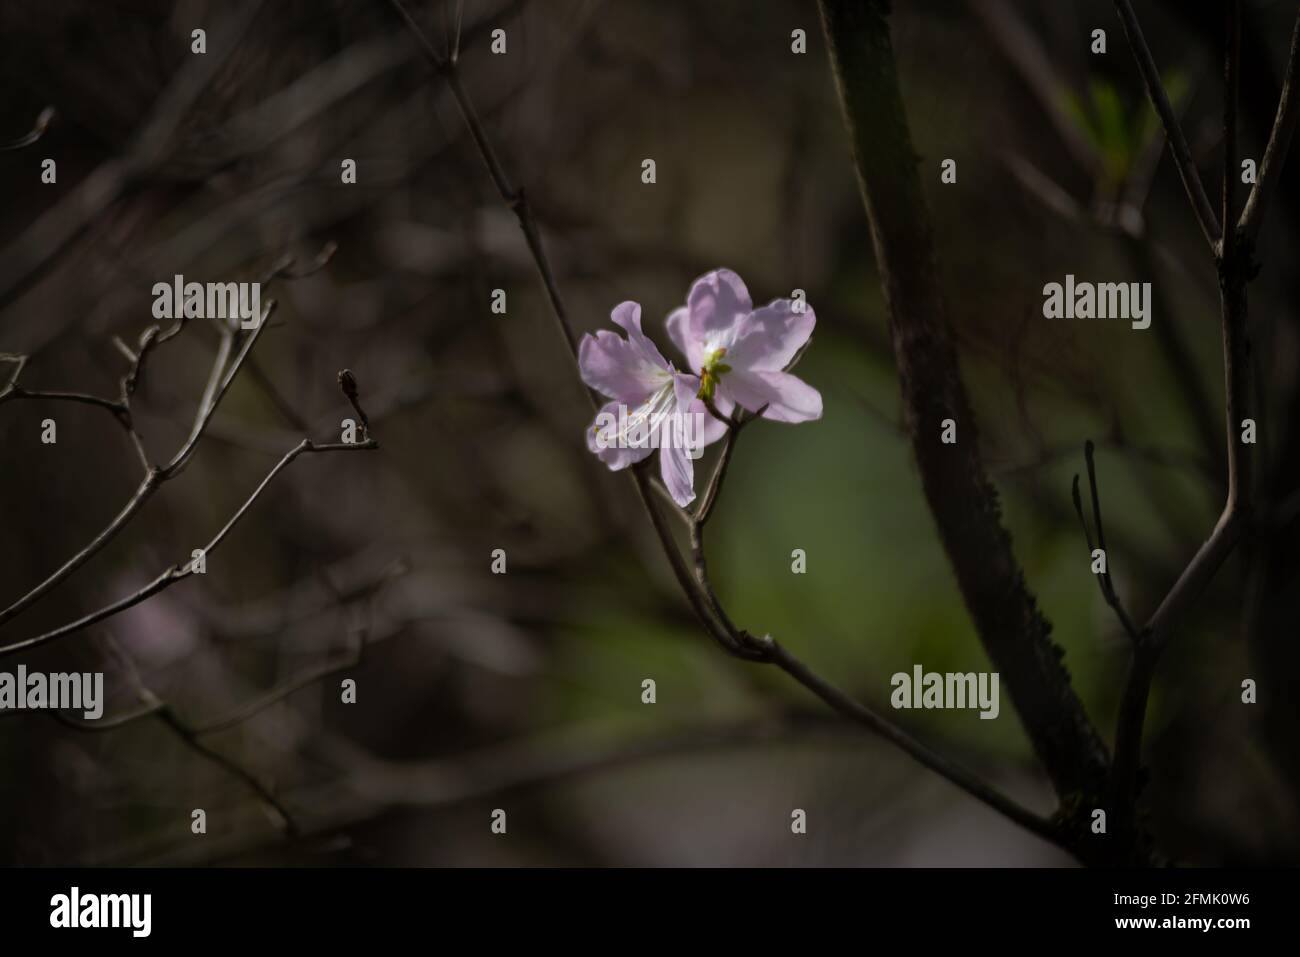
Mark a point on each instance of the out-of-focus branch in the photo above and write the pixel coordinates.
(257, 704)
(501, 770)
(1279, 143)
(176, 572)
(1182, 154)
(1041, 78)
(37, 131)
(156, 707)
(31, 254)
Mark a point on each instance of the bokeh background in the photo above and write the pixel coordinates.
(523, 691)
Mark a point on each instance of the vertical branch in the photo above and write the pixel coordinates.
(957, 488)
(1234, 275)
(1231, 86)
(1279, 142)
(1177, 141)
(1235, 259)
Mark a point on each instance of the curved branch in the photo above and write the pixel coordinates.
(219, 381)
(736, 642)
(38, 130)
(177, 573)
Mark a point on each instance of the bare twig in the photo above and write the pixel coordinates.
(180, 572)
(1103, 579)
(222, 374)
(154, 476)
(348, 383)
(218, 384)
(1235, 273)
(120, 408)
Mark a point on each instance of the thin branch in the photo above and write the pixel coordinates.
(1040, 76)
(218, 384)
(1235, 273)
(669, 502)
(180, 572)
(38, 130)
(1209, 223)
(1103, 579)
(348, 383)
(220, 377)
(958, 491)
(155, 706)
(455, 37)
(1231, 88)
(737, 642)
(1279, 143)
(145, 491)
(953, 772)
(710, 497)
(154, 477)
(285, 268)
(35, 252)
(284, 819)
(537, 762)
(120, 408)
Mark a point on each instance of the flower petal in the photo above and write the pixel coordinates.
(768, 338)
(628, 316)
(716, 303)
(678, 472)
(679, 331)
(787, 397)
(627, 369)
(602, 432)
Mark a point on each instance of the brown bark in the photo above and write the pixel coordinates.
(960, 496)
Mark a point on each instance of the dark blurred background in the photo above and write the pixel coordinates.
(523, 691)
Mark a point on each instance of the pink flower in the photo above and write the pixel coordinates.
(741, 353)
(653, 405)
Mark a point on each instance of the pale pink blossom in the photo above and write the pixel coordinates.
(741, 353)
(652, 404)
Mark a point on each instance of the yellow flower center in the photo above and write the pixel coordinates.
(711, 373)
